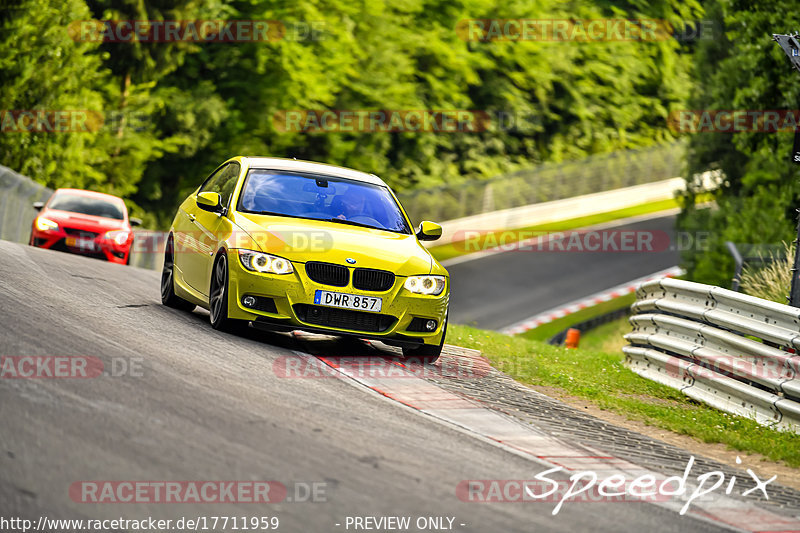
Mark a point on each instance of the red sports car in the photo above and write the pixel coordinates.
(84, 222)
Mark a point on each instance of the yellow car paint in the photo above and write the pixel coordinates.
(201, 236)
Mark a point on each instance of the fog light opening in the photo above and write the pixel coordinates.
(249, 301)
(430, 325)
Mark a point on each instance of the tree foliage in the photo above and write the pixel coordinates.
(180, 108)
(743, 69)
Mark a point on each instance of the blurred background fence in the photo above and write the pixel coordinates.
(551, 181)
(17, 194)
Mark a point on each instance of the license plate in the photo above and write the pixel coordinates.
(83, 244)
(348, 301)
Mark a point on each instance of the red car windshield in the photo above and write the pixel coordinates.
(86, 205)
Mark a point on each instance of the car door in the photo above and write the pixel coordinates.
(210, 228)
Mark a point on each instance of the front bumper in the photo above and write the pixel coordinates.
(104, 249)
(292, 306)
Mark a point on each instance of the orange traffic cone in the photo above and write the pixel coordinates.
(573, 338)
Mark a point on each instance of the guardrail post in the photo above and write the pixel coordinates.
(794, 292)
(737, 257)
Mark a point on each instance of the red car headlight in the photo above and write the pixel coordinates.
(45, 224)
(118, 236)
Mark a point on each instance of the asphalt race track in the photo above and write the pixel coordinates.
(196, 404)
(497, 290)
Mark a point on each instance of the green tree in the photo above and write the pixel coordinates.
(743, 69)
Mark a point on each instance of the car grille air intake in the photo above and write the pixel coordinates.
(328, 273)
(80, 233)
(367, 279)
(343, 318)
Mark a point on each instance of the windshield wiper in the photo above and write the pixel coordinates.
(273, 213)
(351, 223)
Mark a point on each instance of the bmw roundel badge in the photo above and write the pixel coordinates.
(351, 260)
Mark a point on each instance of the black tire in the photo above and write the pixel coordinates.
(426, 353)
(168, 296)
(218, 298)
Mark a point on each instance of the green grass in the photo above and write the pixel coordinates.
(545, 331)
(607, 337)
(601, 378)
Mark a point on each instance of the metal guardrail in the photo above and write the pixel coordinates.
(17, 194)
(544, 183)
(729, 350)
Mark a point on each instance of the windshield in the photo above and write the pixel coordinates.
(321, 198)
(87, 205)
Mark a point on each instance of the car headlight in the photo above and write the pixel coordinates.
(119, 237)
(425, 284)
(45, 224)
(261, 262)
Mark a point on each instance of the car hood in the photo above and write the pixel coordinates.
(84, 222)
(302, 241)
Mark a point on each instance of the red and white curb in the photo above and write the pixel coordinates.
(577, 305)
(471, 417)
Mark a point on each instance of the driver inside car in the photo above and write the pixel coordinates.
(349, 206)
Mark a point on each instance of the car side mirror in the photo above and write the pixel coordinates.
(135, 221)
(38, 205)
(209, 201)
(429, 231)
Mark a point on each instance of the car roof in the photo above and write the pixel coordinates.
(91, 194)
(294, 165)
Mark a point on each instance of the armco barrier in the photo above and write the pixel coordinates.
(17, 194)
(726, 349)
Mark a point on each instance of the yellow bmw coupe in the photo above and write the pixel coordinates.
(288, 245)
